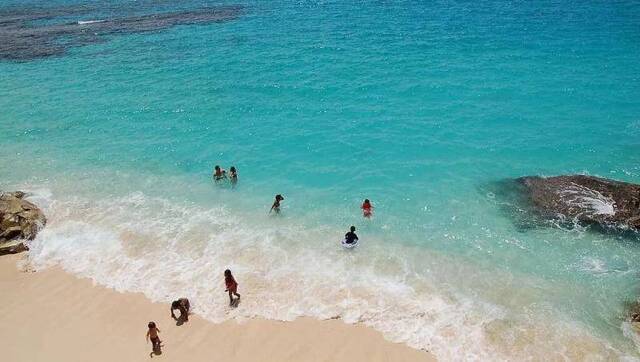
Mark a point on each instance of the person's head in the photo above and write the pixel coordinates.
(227, 273)
(366, 201)
(232, 169)
(152, 325)
(279, 197)
(217, 168)
(353, 229)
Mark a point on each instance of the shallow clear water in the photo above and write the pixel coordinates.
(424, 108)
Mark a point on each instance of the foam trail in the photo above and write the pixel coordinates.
(592, 200)
(81, 22)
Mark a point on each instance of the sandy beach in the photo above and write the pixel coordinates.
(52, 315)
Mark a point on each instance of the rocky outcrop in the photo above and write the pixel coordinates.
(586, 199)
(20, 220)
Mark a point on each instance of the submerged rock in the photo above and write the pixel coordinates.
(19, 220)
(34, 32)
(585, 199)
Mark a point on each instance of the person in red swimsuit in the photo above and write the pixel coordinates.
(367, 208)
(232, 286)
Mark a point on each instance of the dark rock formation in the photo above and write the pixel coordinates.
(19, 220)
(585, 199)
(31, 33)
(633, 313)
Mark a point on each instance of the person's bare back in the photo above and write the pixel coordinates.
(152, 334)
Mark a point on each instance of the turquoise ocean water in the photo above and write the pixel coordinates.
(423, 107)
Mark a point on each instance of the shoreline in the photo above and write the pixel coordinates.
(52, 315)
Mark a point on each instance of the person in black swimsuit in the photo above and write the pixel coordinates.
(351, 236)
(276, 204)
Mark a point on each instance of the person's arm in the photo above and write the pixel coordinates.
(172, 314)
(147, 337)
(158, 329)
(355, 236)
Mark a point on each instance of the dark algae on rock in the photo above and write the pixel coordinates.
(29, 33)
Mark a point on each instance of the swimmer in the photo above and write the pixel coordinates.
(233, 175)
(367, 208)
(276, 204)
(351, 236)
(219, 173)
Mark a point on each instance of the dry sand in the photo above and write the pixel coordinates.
(54, 316)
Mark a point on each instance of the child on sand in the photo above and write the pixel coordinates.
(232, 286)
(367, 208)
(153, 334)
(276, 204)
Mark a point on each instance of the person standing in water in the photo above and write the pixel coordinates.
(276, 204)
(219, 174)
(233, 176)
(232, 286)
(367, 208)
(351, 236)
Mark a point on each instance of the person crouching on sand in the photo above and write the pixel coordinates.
(183, 305)
(232, 286)
(153, 334)
(367, 208)
(276, 204)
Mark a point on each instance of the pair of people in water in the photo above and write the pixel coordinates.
(367, 211)
(367, 208)
(220, 174)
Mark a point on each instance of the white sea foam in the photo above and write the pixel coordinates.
(166, 250)
(591, 200)
(83, 22)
